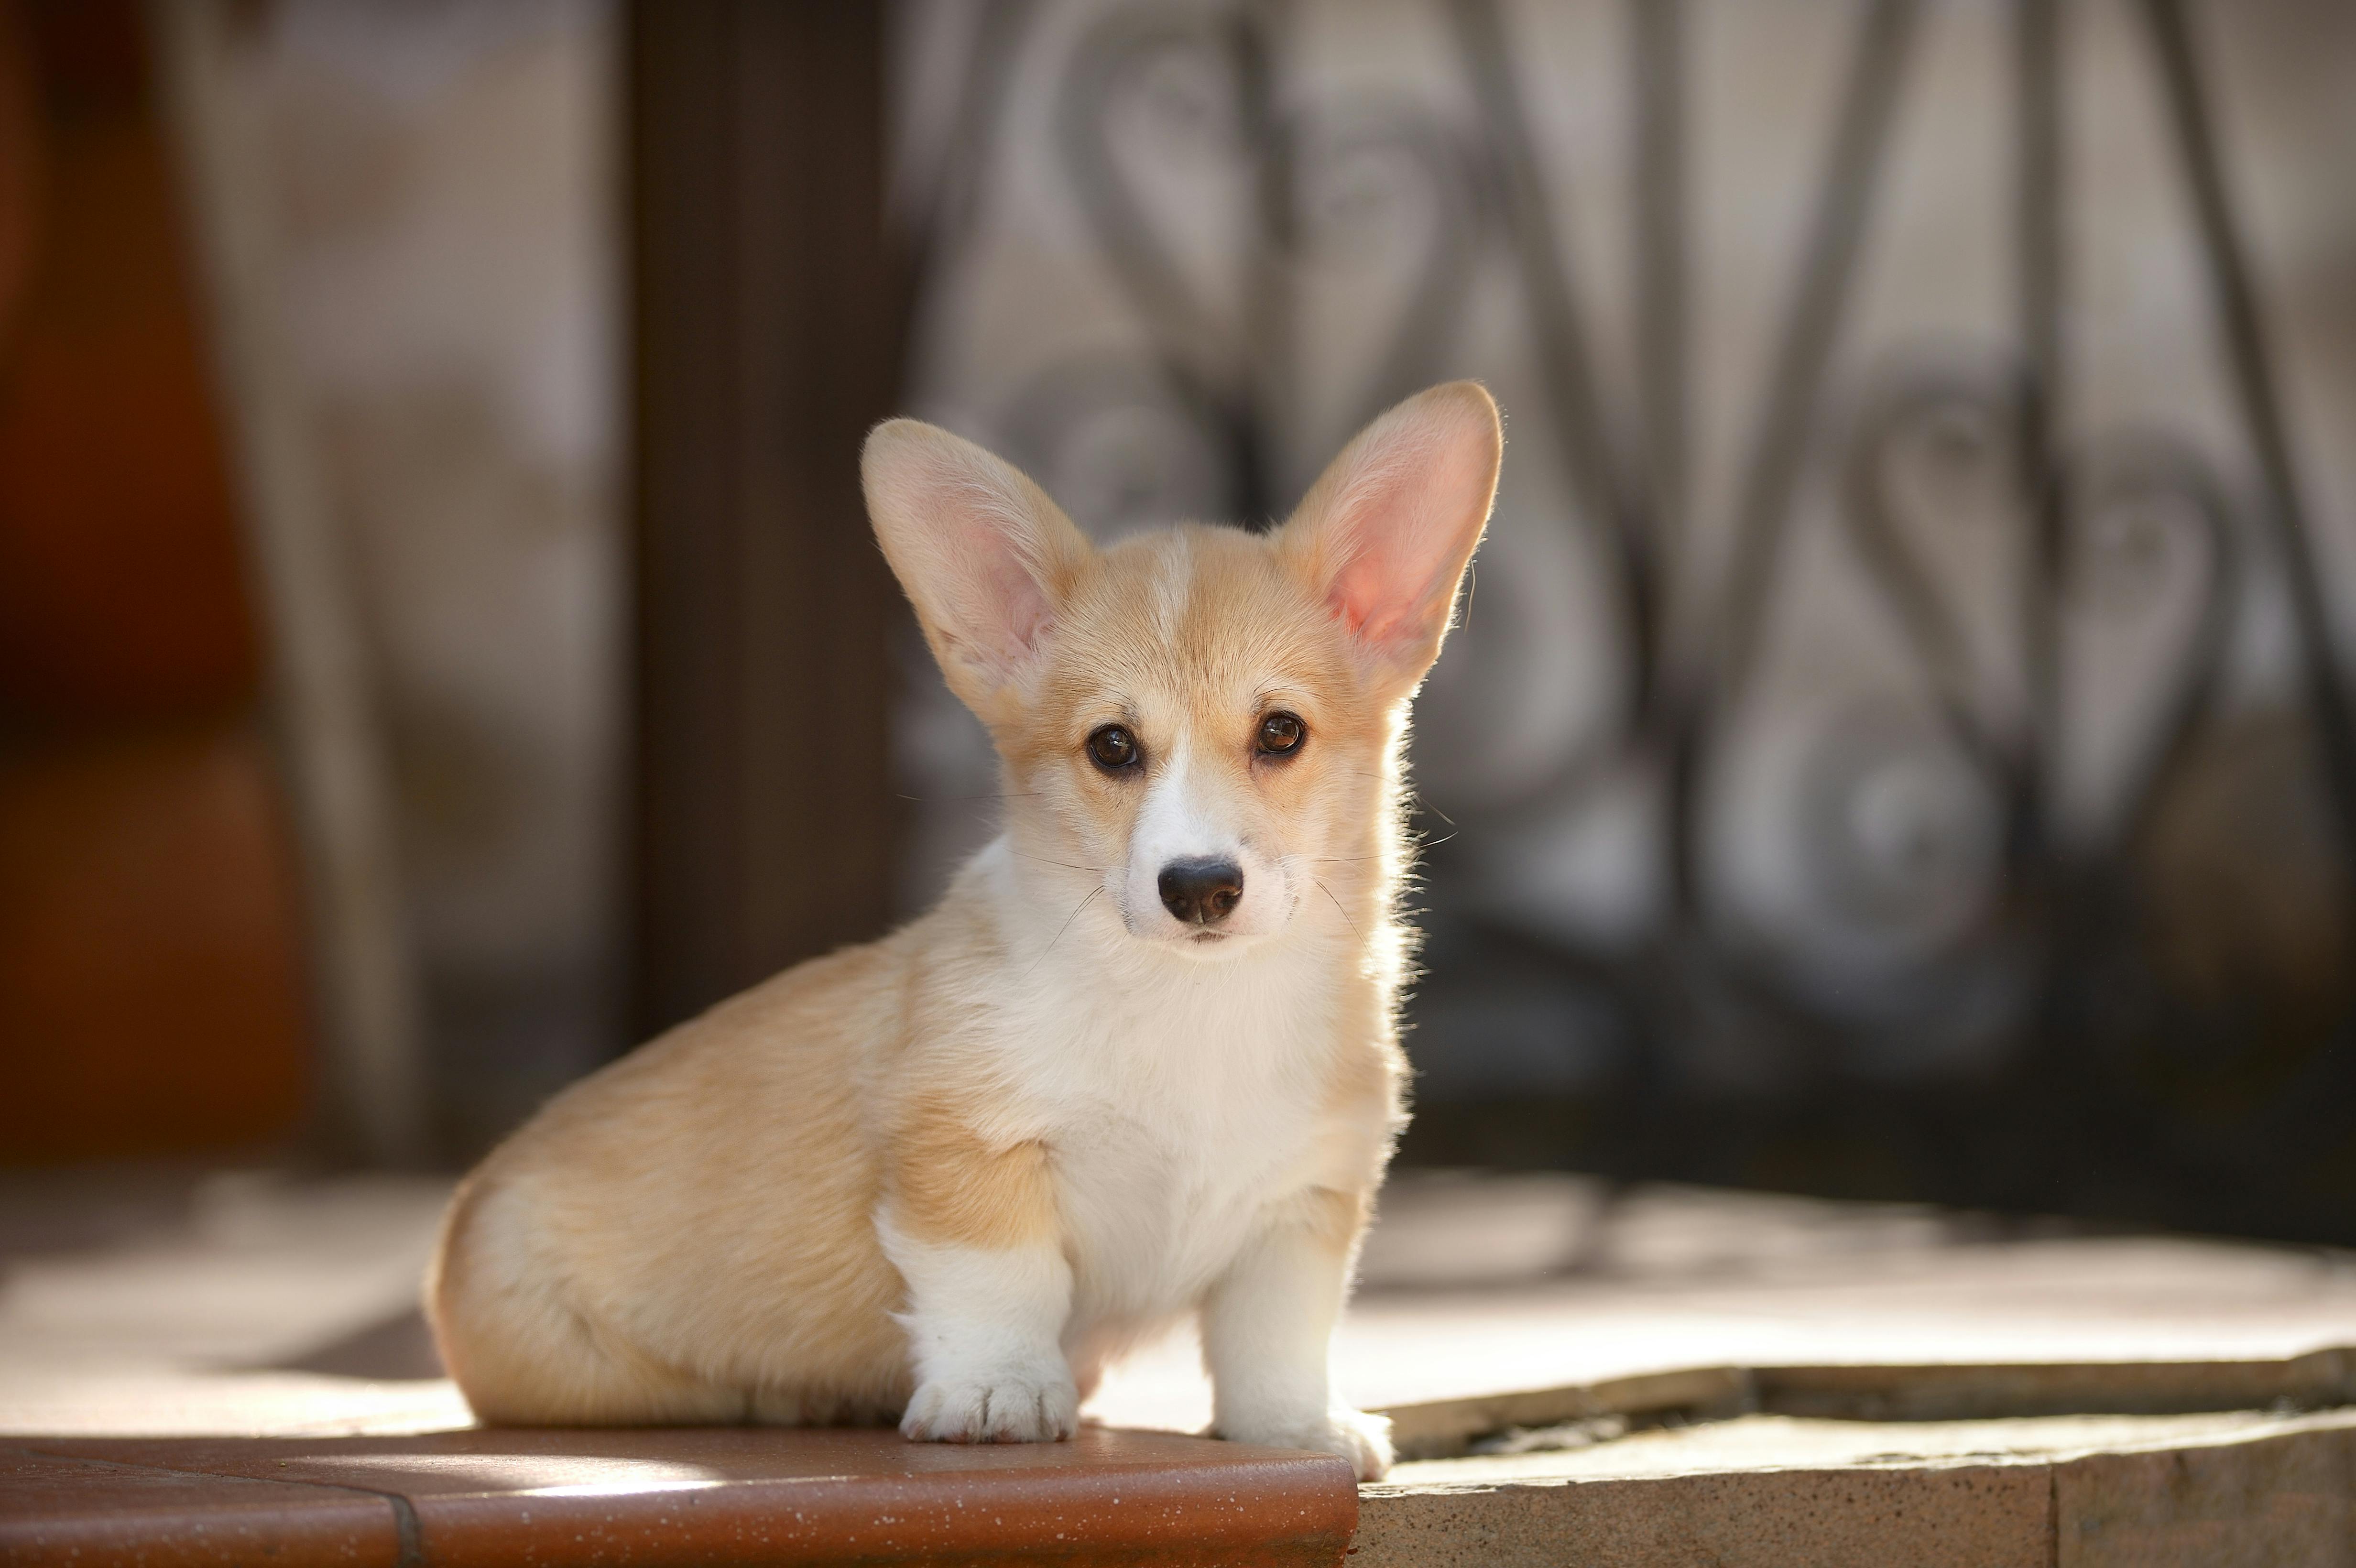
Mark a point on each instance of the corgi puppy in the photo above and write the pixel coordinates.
(1139, 1062)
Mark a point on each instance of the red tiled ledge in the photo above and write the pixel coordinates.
(492, 1498)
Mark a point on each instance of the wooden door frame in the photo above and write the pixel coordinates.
(768, 312)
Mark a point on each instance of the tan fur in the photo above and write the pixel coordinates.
(953, 1184)
(691, 1234)
(739, 1134)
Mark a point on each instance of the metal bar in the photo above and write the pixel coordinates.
(1201, 349)
(2151, 467)
(1418, 354)
(1868, 104)
(941, 225)
(1657, 28)
(1269, 348)
(1772, 471)
(2041, 281)
(1565, 360)
(2250, 361)
(1210, 360)
(1912, 401)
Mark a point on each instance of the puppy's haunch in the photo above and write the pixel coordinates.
(1140, 1061)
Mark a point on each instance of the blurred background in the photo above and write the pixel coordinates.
(1899, 743)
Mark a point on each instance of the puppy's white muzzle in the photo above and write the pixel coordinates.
(1192, 876)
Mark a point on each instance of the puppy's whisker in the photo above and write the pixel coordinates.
(1340, 910)
(1067, 865)
(1062, 928)
(962, 799)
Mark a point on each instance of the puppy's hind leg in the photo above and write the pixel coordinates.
(526, 1353)
(802, 1407)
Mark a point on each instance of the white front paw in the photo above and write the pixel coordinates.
(1361, 1439)
(1019, 1406)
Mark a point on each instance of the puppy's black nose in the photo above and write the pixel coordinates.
(1202, 893)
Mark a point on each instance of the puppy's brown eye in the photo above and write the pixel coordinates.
(1113, 748)
(1280, 734)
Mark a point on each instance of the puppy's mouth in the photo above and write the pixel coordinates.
(1205, 938)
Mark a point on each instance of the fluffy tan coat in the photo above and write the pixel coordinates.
(944, 1177)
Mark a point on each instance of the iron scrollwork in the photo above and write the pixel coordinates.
(1997, 896)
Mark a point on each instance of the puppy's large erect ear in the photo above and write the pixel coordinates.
(1385, 532)
(983, 554)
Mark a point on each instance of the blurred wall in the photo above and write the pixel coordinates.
(439, 187)
(447, 182)
(150, 989)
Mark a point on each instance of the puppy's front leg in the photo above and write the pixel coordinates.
(1267, 1330)
(972, 1231)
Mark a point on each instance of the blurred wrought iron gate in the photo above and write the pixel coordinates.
(2112, 1012)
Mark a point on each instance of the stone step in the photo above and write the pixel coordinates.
(481, 1498)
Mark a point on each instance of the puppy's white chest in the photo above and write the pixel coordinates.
(1156, 1212)
(1177, 1130)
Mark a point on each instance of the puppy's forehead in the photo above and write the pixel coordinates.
(1194, 614)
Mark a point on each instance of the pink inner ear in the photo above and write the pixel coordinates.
(997, 608)
(1403, 526)
(1386, 530)
(1014, 609)
(1379, 598)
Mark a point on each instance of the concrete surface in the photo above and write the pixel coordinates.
(2218, 1490)
(1688, 1376)
(183, 1302)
